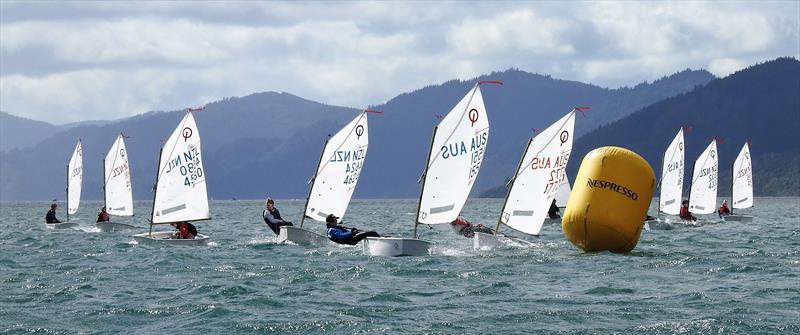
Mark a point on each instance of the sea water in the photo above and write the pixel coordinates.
(726, 278)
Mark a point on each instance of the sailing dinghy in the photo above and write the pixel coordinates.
(117, 193)
(669, 200)
(74, 185)
(742, 186)
(703, 192)
(180, 191)
(334, 181)
(454, 160)
(540, 174)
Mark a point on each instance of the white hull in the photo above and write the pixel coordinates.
(62, 225)
(396, 246)
(552, 221)
(483, 241)
(165, 237)
(738, 218)
(112, 226)
(657, 225)
(301, 236)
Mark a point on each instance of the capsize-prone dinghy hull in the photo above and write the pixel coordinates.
(657, 225)
(739, 218)
(396, 246)
(482, 241)
(301, 236)
(165, 237)
(112, 226)
(61, 225)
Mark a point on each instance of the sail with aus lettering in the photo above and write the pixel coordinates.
(669, 200)
(74, 180)
(540, 175)
(181, 187)
(338, 171)
(118, 193)
(703, 193)
(457, 151)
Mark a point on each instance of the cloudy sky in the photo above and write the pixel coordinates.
(67, 61)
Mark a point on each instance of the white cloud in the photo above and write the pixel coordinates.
(74, 61)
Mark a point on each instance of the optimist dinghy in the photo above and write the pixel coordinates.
(180, 191)
(74, 185)
(703, 192)
(117, 192)
(669, 200)
(454, 159)
(540, 174)
(334, 181)
(742, 187)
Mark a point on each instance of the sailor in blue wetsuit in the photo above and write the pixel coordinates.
(272, 217)
(343, 235)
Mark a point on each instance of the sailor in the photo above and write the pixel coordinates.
(186, 231)
(467, 229)
(272, 217)
(102, 216)
(684, 213)
(553, 212)
(344, 235)
(51, 215)
(724, 210)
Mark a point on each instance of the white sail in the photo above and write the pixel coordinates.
(703, 194)
(181, 189)
(338, 171)
(669, 200)
(75, 179)
(118, 192)
(742, 193)
(562, 195)
(457, 151)
(539, 176)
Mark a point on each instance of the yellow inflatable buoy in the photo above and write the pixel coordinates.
(609, 201)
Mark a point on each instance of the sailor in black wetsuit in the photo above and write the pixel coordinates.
(343, 235)
(553, 212)
(272, 217)
(51, 215)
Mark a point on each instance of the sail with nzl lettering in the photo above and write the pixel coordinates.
(181, 187)
(703, 194)
(339, 169)
(455, 159)
(118, 193)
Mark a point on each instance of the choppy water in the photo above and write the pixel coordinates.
(729, 278)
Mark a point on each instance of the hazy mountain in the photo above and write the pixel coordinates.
(401, 136)
(245, 141)
(760, 104)
(17, 132)
(269, 143)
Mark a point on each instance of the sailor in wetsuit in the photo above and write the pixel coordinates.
(51, 215)
(344, 235)
(553, 212)
(272, 217)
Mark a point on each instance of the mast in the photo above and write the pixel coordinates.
(67, 191)
(511, 186)
(105, 180)
(424, 178)
(313, 180)
(155, 190)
